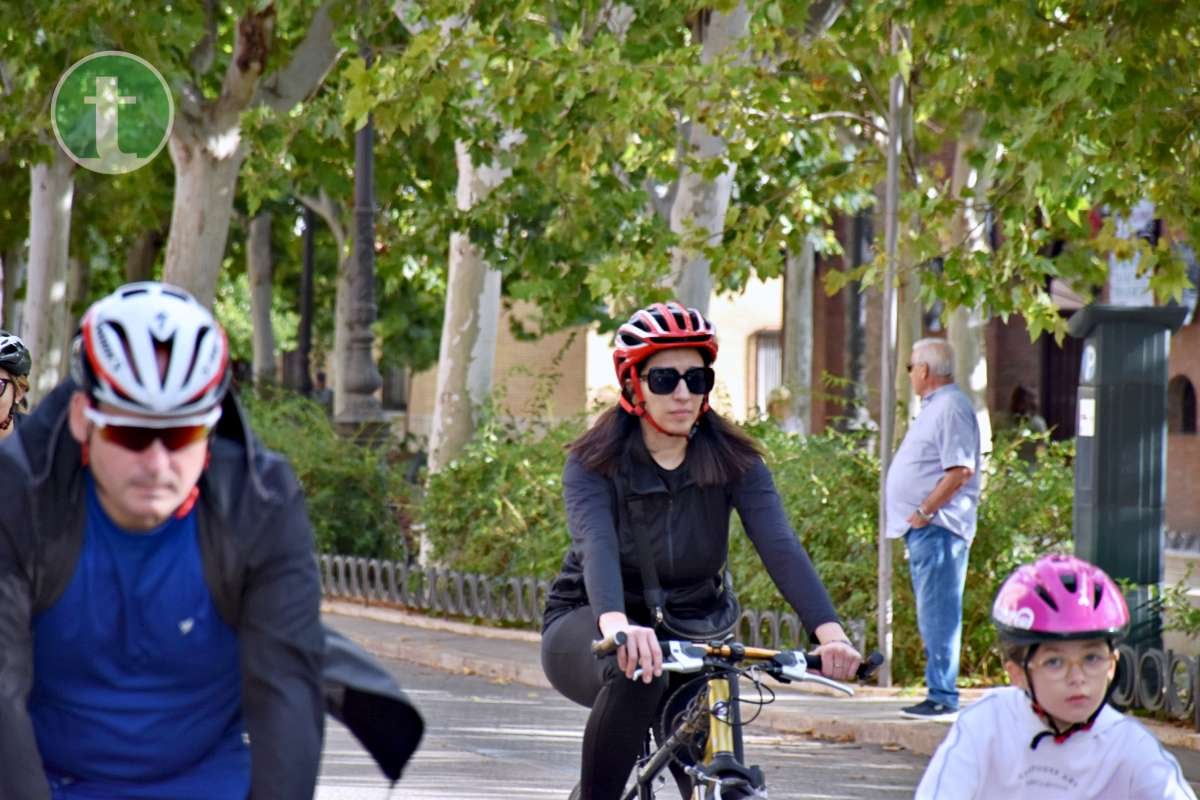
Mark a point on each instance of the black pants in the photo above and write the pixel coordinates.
(622, 710)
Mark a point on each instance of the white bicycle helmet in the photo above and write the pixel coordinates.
(122, 337)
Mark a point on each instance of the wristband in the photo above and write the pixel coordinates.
(921, 513)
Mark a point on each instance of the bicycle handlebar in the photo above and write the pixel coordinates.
(865, 670)
(783, 659)
(608, 644)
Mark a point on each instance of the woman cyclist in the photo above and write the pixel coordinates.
(659, 473)
(1052, 733)
(14, 379)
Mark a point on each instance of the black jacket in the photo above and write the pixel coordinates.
(689, 530)
(256, 545)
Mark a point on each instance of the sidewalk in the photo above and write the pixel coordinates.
(871, 716)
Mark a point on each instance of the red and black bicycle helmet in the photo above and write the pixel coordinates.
(653, 329)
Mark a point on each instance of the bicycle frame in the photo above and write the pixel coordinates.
(720, 717)
(721, 768)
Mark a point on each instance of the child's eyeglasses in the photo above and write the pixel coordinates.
(1093, 665)
(138, 433)
(663, 380)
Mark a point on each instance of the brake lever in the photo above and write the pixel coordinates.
(682, 657)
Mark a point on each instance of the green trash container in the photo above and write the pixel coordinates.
(1121, 447)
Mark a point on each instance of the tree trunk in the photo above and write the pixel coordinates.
(469, 329)
(14, 279)
(701, 204)
(258, 267)
(909, 327)
(206, 145)
(331, 212)
(205, 183)
(139, 260)
(798, 335)
(468, 345)
(858, 416)
(967, 329)
(52, 192)
(78, 278)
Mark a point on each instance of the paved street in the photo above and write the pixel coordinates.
(493, 740)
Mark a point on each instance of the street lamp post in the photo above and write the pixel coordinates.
(360, 406)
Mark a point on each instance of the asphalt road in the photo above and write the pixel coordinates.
(491, 740)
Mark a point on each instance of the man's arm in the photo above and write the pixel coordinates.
(282, 649)
(21, 774)
(952, 480)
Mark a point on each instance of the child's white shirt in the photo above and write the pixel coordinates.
(986, 755)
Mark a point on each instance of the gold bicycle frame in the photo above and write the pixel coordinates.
(720, 731)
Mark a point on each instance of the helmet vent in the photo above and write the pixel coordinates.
(1098, 593)
(123, 337)
(191, 367)
(1042, 593)
(1068, 581)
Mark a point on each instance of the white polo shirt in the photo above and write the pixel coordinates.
(986, 755)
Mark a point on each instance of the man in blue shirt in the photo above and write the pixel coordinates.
(932, 496)
(159, 601)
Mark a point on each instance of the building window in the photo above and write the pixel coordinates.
(768, 366)
(1181, 405)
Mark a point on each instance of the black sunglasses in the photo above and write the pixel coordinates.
(663, 380)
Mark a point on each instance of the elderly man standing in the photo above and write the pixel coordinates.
(932, 497)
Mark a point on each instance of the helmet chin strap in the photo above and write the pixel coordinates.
(638, 409)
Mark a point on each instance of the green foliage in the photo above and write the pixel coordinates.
(1180, 612)
(829, 484)
(357, 499)
(498, 510)
(232, 310)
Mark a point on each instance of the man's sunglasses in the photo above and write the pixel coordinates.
(138, 433)
(663, 380)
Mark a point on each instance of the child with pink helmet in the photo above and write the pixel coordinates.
(1052, 734)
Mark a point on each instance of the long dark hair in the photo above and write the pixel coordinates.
(719, 453)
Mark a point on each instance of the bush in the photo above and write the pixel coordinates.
(498, 510)
(357, 498)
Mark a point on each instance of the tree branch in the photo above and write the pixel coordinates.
(328, 210)
(250, 51)
(204, 53)
(821, 16)
(310, 63)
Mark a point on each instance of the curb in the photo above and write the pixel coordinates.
(394, 616)
(916, 736)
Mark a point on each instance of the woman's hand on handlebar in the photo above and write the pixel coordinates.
(641, 648)
(839, 658)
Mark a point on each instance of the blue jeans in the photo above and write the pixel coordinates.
(937, 560)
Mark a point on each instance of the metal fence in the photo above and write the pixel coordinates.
(1163, 683)
(510, 600)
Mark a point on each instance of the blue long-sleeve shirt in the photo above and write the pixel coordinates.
(137, 687)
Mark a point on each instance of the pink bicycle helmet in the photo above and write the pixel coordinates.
(1059, 597)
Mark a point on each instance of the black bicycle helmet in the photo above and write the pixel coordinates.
(14, 355)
